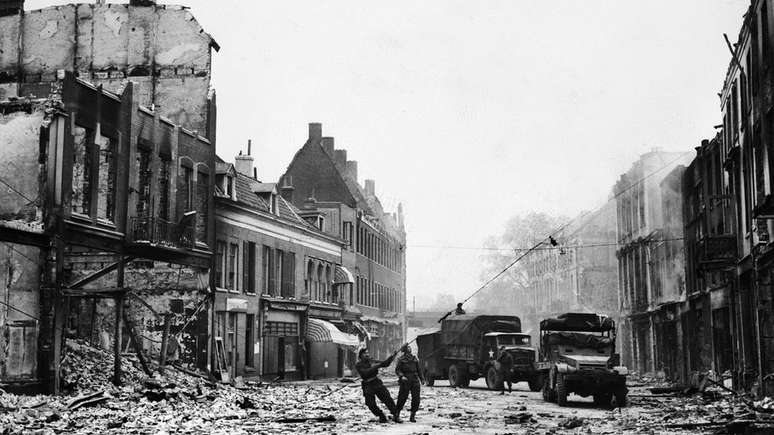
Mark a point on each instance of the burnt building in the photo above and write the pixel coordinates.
(279, 283)
(712, 338)
(645, 201)
(161, 49)
(105, 229)
(323, 184)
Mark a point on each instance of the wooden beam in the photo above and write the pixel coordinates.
(98, 274)
(136, 344)
(105, 292)
(13, 235)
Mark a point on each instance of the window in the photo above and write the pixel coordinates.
(321, 223)
(232, 259)
(106, 179)
(164, 175)
(220, 257)
(202, 205)
(229, 188)
(186, 188)
(281, 329)
(93, 175)
(81, 177)
(346, 231)
(144, 182)
(248, 269)
(279, 271)
(288, 286)
(268, 272)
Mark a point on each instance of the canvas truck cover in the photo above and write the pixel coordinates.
(577, 339)
(582, 322)
(469, 328)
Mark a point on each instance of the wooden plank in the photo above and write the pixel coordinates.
(136, 344)
(98, 274)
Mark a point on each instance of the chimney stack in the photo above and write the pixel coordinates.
(243, 163)
(327, 144)
(370, 188)
(315, 131)
(352, 169)
(340, 157)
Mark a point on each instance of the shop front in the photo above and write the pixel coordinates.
(282, 339)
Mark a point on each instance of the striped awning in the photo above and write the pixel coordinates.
(326, 332)
(342, 275)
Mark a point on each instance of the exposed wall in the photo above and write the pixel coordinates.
(20, 184)
(19, 283)
(161, 48)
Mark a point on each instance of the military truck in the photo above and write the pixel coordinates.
(577, 355)
(467, 346)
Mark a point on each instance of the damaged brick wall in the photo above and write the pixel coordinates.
(19, 283)
(20, 170)
(157, 289)
(161, 48)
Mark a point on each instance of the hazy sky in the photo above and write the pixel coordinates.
(469, 112)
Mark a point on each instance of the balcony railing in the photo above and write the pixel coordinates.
(160, 232)
(717, 251)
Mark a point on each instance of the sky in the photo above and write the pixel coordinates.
(468, 112)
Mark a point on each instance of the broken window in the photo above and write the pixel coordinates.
(81, 177)
(202, 202)
(106, 179)
(143, 184)
(164, 174)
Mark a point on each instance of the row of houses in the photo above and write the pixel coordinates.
(120, 225)
(691, 249)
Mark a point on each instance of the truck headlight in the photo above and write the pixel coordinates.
(621, 370)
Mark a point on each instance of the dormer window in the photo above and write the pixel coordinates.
(229, 187)
(320, 223)
(273, 204)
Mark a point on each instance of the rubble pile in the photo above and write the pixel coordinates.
(87, 368)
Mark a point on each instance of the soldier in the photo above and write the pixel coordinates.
(459, 310)
(504, 370)
(409, 378)
(373, 386)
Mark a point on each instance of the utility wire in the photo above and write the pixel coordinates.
(551, 248)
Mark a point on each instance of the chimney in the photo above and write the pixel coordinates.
(340, 157)
(315, 131)
(352, 169)
(370, 188)
(244, 163)
(327, 144)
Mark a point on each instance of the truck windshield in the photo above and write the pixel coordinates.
(510, 340)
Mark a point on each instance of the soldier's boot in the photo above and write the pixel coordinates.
(396, 417)
(382, 418)
(412, 418)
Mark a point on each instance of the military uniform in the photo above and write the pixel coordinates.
(504, 371)
(373, 386)
(407, 368)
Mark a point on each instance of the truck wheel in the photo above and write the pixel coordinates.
(454, 375)
(561, 390)
(535, 383)
(620, 397)
(491, 378)
(464, 376)
(548, 394)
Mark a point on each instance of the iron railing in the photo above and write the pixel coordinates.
(161, 232)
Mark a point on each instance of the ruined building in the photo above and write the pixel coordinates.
(650, 258)
(579, 274)
(105, 229)
(280, 287)
(323, 184)
(160, 48)
(107, 201)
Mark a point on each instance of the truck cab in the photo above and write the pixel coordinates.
(519, 345)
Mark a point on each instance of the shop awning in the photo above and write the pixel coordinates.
(343, 275)
(326, 332)
(362, 329)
